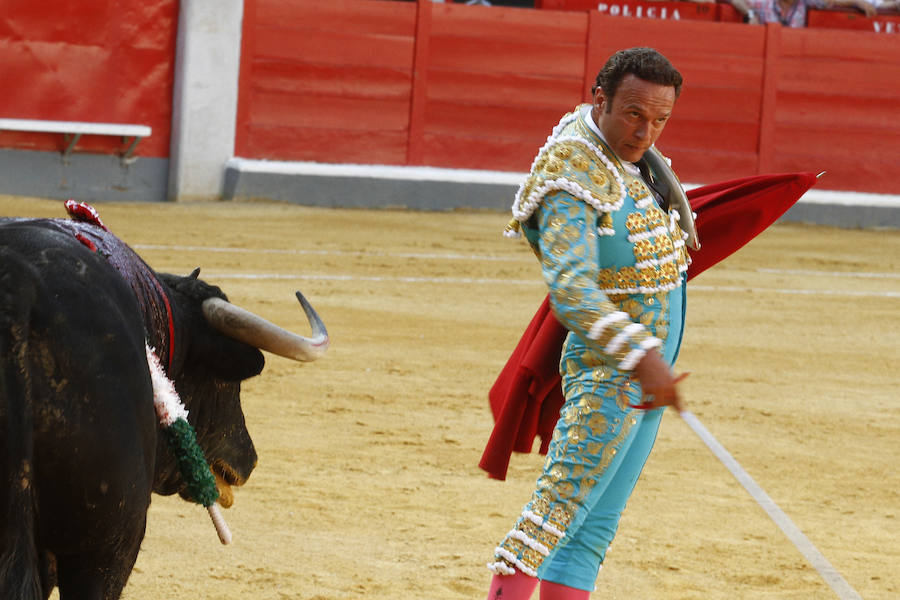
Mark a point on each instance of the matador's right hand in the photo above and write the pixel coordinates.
(658, 383)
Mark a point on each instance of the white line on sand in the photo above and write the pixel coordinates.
(797, 537)
(526, 282)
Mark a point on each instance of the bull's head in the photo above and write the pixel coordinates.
(217, 345)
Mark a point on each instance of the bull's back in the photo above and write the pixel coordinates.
(77, 402)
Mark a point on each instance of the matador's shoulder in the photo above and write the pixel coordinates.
(572, 161)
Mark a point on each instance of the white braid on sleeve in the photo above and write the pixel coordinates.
(634, 357)
(630, 330)
(600, 324)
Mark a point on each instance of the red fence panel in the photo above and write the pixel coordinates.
(482, 86)
(95, 61)
(326, 81)
(496, 83)
(837, 107)
(840, 19)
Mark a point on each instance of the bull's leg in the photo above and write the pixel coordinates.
(98, 576)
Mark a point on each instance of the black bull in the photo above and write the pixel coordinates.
(81, 449)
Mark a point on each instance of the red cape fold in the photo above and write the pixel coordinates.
(526, 397)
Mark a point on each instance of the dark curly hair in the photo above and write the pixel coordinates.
(645, 63)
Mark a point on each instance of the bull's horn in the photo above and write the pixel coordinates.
(244, 326)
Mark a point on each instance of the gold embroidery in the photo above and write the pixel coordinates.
(637, 190)
(581, 163)
(565, 489)
(655, 218)
(562, 151)
(636, 223)
(598, 177)
(554, 166)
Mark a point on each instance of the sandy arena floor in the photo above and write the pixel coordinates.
(368, 485)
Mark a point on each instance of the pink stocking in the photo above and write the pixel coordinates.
(517, 586)
(556, 591)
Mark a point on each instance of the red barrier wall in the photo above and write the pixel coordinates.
(327, 81)
(452, 85)
(92, 60)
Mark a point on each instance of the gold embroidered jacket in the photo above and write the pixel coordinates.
(610, 255)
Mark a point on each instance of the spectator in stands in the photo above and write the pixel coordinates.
(792, 13)
(887, 6)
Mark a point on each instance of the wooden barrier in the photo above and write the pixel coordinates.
(639, 9)
(327, 81)
(845, 19)
(90, 61)
(451, 85)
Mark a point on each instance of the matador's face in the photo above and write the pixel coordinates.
(635, 118)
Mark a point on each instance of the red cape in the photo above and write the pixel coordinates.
(526, 397)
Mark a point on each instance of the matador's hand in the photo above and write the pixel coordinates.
(658, 384)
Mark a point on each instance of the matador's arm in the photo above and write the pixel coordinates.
(567, 240)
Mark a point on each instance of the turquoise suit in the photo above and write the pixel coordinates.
(615, 264)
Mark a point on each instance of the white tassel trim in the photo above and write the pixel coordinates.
(540, 522)
(647, 235)
(165, 399)
(635, 356)
(501, 568)
(630, 330)
(511, 558)
(653, 262)
(600, 324)
(644, 202)
(522, 209)
(533, 544)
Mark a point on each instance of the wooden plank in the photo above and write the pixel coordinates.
(684, 38)
(339, 16)
(846, 142)
(717, 104)
(857, 46)
(766, 149)
(840, 108)
(418, 99)
(351, 114)
(510, 89)
(500, 121)
(496, 56)
(489, 23)
(246, 78)
(874, 176)
(334, 145)
(304, 78)
(332, 48)
(708, 165)
(714, 135)
(824, 75)
(484, 152)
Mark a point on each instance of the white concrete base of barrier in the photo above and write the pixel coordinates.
(430, 188)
